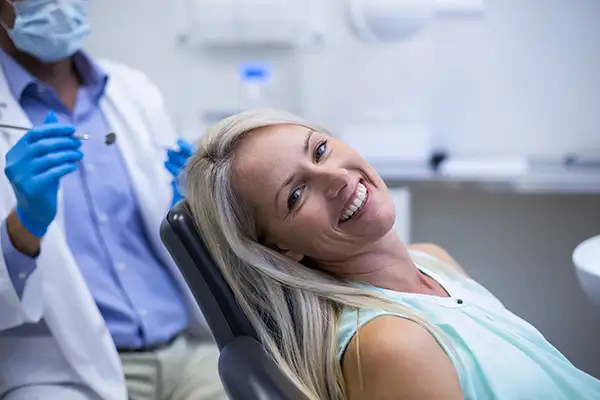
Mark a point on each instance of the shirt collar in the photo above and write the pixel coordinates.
(93, 77)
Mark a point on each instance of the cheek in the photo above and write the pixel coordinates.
(308, 225)
(316, 214)
(383, 217)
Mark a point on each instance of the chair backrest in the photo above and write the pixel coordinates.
(183, 241)
(245, 368)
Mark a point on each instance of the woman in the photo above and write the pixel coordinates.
(301, 227)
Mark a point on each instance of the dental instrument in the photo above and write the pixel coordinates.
(109, 139)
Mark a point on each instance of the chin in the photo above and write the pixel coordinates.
(381, 226)
(377, 222)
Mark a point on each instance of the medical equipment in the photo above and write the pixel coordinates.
(109, 139)
(586, 258)
(277, 24)
(253, 80)
(291, 24)
(391, 21)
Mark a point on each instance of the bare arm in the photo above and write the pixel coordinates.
(393, 358)
(21, 238)
(439, 253)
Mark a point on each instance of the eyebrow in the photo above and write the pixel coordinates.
(291, 177)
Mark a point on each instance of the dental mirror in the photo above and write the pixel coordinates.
(109, 139)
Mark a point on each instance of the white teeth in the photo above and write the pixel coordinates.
(359, 199)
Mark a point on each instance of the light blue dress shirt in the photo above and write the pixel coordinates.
(134, 291)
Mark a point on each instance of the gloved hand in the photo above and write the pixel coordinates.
(34, 167)
(176, 160)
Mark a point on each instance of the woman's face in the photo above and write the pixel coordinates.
(313, 195)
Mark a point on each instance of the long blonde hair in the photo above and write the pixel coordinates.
(294, 309)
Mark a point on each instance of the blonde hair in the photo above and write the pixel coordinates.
(295, 310)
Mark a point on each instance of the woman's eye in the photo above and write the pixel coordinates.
(320, 150)
(294, 197)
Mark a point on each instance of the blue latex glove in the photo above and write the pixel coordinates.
(34, 167)
(176, 160)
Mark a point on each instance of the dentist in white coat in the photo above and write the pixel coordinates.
(91, 305)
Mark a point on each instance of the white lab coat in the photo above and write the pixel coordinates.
(56, 291)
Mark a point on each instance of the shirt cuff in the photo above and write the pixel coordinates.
(19, 265)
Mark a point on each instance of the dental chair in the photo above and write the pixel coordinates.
(246, 369)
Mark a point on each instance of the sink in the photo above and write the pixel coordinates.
(586, 258)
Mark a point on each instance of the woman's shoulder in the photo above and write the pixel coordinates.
(391, 354)
(383, 331)
(351, 320)
(386, 335)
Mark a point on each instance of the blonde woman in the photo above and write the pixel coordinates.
(301, 227)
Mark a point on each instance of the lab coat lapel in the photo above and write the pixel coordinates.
(11, 113)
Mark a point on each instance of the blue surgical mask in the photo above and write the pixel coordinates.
(49, 30)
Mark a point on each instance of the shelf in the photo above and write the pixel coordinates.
(541, 178)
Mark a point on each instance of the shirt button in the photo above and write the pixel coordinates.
(102, 217)
(120, 267)
(90, 167)
(22, 275)
(143, 313)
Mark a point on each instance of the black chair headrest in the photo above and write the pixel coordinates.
(187, 248)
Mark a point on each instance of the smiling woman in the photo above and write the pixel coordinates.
(301, 227)
(305, 187)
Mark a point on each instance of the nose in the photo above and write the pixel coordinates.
(333, 180)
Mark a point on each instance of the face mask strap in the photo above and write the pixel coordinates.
(4, 26)
(15, 13)
(2, 23)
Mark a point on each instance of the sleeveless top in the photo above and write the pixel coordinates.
(497, 355)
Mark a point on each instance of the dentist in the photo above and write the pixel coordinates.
(91, 305)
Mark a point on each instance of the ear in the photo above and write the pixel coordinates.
(294, 256)
(290, 254)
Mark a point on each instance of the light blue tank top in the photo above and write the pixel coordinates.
(497, 355)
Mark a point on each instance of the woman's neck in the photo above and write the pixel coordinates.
(385, 264)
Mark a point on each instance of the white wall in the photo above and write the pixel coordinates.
(525, 78)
